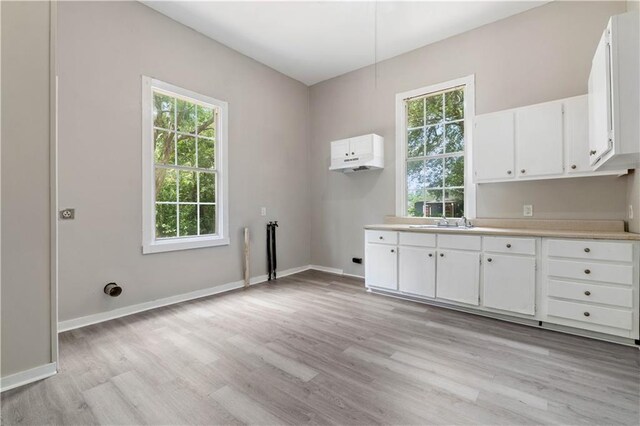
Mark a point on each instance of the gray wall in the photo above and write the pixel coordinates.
(539, 55)
(103, 50)
(26, 312)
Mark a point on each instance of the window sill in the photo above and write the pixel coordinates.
(183, 244)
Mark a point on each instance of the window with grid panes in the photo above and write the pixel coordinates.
(435, 154)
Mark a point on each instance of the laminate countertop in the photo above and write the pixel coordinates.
(551, 233)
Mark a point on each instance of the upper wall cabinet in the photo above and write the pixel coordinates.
(614, 136)
(543, 141)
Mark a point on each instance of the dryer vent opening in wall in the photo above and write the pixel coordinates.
(113, 290)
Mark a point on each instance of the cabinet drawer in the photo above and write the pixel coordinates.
(510, 245)
(590, 271)
(460, 242)
(416, 239)
(382, 237)
(596, 250)
(590, 314)
(581, 292)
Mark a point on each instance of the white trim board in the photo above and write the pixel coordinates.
(334, 271)
(145, 306)
(28, 376)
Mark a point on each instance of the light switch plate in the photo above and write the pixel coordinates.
(630, 211)
(263, 211)
(67, 214)
(527, 210)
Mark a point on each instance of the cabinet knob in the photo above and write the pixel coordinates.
(587, 271)
(586, 314)
(522, 171)
(508, 245)
(508, 172)
(430, 254)
(489, 260)
(381, 237)
(573, 166)
(592, 152)
(353, 153)
(441, 254)
(393, 251)
(587, 293)
(587, 250)
(346, 153)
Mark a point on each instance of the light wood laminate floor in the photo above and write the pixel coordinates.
(315, 348)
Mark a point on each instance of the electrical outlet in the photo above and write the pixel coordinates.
(527, 210)
(263, 211)
(67, 214)
(630, 211)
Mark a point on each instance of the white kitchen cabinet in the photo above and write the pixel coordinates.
(576, 135)
(417, 271)
(614, 104)
(357, 153)
(381, 266)
(493, 146)
(458, 276)
(539, 140)
(509, 283)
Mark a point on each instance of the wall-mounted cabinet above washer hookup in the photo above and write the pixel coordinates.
(358, 153)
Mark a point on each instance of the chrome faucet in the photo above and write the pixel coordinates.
(444, 221)
(463, 222)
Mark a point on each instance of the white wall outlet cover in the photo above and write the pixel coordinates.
(527, 210)
(630, 211)
(263, 211)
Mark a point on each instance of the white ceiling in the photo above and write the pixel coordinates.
(314, 41)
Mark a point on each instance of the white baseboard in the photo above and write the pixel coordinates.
(28, 376)
(353, 276)
(145, 306)
(335, 271)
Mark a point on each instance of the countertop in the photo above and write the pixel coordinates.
(554, 233)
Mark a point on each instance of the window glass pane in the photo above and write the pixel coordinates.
(415, 113)
(163, 111)
(434, 140)
(206, 121)
(188, 219)
(165, 220)
(186, 151)
(166, 185)
(415, 187)
(433, 173)
(207, 187)
(207, 219)
(164, 146)
(188, 186)
(454, 202)
(433, 106)
(206, 153)
(186, 116)
(433, 203)
(454, 135)
(415, 143)
(454, 105)
(454, 171)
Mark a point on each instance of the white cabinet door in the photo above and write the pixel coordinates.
(509, 283)
(417, 271)
(576, 135)
(381, 266)
(493, 144)
(361, 145)
(458, 276)
(600, 101)
(340, 149)
(539, 144)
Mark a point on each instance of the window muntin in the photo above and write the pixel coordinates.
(434, 154)
(184, 164)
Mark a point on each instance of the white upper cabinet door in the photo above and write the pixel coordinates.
(458, 276)
(576, 134)
(417, 271)
(509, 283)
(493, 143)
(539, 140)
(600, 120)
(381, 266)
(361, 145)
(340, 149)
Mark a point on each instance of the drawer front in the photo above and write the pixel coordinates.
(590, 314)
(510, 245)
(381, 237)
(460, 242)
(416, 239)
(590, 271)
(581, 292)
(596, 250)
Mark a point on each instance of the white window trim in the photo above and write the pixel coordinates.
(401, 142)
(149, 242)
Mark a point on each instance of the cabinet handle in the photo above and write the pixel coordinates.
(587, 271)
(522, 171)
(393, 251)
(573, 166)
(586, 314)
(381, 237)
(346, 153)
(508, 245)
(441, 254)
(587, 250)
(587, 293)
(489, 260)
(508, 172)
(592, 152)
(353, 153)
(430, 254)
